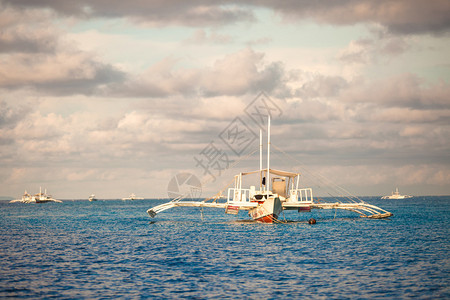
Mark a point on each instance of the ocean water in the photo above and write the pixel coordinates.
(112, 249)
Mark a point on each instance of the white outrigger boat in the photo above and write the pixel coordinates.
(37, 198)
(278, 191)
(396, 195)
(26, 198)
(44, 197)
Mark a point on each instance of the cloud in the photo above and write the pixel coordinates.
(379, 49)
(27, 31)
(155, 13)
(64, 73)
(33, 54)
(319, 85)
(161, 117)
(241, 73)
(235, 74)
(398, 16)
(402, 90)
(9, 116)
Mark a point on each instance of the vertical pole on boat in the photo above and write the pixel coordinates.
(268, 157)
(240, 183)
(260, 159)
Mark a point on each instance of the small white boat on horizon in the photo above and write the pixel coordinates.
(92, 198)
(396, 195)
(132, 197)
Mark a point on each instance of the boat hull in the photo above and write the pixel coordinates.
(48, 200)
(395, 197)
(267, 211)
(304, 209)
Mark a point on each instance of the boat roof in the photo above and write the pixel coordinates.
(275, 172)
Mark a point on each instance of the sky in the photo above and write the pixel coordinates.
(119, 97)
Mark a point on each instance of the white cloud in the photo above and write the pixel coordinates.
(381, 47)
(238, 73)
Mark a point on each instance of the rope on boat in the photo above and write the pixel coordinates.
(323, 179)
(206, 181)
(219, 194)
(271, 217)
(159, 208)
(355, 206)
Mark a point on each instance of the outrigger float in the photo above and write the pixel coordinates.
(278, 191)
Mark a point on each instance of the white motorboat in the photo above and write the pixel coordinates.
(132, 197)
(92, 198)
(396, 195)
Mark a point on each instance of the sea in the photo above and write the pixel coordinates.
(111, 249)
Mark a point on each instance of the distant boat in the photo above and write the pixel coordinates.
(92, 198)
(44, 197)
(37, 198)
(26, 198)
(132, 197)
(396, 195)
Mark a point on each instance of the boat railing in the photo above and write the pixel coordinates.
(295, 196)
(300, 195)
(238, 195)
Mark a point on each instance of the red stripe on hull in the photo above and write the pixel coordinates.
(304, 209)
(267, 219)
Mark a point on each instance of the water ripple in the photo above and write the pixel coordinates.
(110, 249)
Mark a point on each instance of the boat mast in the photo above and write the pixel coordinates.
(268, 157)
(260, 160)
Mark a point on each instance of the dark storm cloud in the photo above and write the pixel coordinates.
(399, 16)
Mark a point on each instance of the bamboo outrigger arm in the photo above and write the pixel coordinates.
(365, 210)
